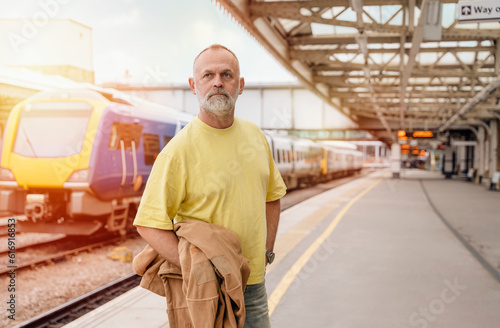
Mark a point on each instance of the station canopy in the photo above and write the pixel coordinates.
(387, 64)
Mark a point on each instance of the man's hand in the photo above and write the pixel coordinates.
(273, 210)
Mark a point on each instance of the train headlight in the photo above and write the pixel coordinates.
(80, 176)
(6, 175)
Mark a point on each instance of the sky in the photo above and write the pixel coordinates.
(158, 38)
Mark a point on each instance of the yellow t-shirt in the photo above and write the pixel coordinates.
(220, 176)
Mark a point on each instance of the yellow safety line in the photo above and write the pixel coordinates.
(290, 276)
(287, 242)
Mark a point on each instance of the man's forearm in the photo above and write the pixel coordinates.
(273, 210)
(165, 242)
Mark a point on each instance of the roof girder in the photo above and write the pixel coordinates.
(337, 65)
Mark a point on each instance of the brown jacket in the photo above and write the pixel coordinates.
(209, 290)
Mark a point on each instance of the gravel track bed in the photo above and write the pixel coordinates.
(46, 287)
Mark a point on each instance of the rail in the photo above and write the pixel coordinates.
(80, 306)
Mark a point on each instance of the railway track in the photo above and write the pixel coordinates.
(60, 255)
(298, 195)
(52, 242)
(4, 216)
(74, 309)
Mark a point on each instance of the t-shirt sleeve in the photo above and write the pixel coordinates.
(276, 188)
(163, 195)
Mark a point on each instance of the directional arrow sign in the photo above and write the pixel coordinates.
(478, 11)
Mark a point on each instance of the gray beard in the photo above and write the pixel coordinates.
(218, 105)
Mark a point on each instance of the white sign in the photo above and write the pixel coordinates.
(478, 11)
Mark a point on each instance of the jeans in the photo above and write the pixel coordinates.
(257, 313)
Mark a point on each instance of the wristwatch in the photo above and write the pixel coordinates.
(270, 256)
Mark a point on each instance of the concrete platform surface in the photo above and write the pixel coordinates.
(371, 253)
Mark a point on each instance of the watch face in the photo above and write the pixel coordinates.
(270, 257)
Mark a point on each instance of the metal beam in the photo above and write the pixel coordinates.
(473, 102)
(405, 75)
(376, 72)
(276, 45)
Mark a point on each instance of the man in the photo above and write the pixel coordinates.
(218, 169)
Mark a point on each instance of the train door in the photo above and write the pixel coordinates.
(126, 137)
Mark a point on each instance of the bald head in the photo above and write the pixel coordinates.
(217, 47)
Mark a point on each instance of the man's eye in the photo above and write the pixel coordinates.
(227, 75)
(207, 75)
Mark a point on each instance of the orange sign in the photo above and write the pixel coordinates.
(401, 133)
(423, 134)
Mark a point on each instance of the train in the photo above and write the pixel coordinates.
(76, 161)
(303, 162)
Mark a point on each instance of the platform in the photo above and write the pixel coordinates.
(375, 252)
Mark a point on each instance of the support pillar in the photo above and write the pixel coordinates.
(480, 154)
(377, 154)
(396, 160)
(487, 157)
(461, 159)
(494, 146)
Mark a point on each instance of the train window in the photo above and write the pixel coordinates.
(52, 129)
(278, 157)
(126, 132)
(151, 147)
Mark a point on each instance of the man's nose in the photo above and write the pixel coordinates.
(218, 82)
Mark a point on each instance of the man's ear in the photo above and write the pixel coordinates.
(191, 84)
(242, 85)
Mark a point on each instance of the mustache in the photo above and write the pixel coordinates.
(221, 91)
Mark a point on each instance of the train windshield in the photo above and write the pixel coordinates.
(52, 129)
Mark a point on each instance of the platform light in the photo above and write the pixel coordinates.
(79, 176)
(401, 133)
